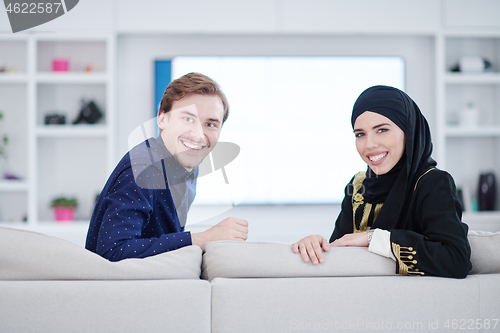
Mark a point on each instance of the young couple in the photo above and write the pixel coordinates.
(402, 207)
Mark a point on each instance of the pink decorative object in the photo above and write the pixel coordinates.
(64, 214)
(60, 65)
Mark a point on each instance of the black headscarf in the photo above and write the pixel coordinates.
(394, 188)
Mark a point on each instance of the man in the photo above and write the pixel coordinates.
(143, 207)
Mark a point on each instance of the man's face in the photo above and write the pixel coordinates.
(192, 128)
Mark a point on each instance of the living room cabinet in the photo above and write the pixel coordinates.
(468, 112)
(13, 107)
(54, 160)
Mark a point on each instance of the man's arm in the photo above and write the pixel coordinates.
(231, 228)
(126, 216)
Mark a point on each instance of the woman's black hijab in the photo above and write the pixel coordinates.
(395, 188)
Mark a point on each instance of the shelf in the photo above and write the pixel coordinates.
(69, 224)
(60, 37)
(29, 90)
(467, 145)
(466, 32)
(13, 185)
(13, 224)
(458, 131)
(13, 78)
(74, 231)
(72, 131)
(46, 225)
(70, 77)
(484, 220)
(480, 78)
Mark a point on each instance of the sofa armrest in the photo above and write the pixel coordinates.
(485, 252)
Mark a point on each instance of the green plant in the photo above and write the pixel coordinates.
(64, 202)
(4, 141)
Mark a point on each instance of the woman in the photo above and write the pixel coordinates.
(402, 207)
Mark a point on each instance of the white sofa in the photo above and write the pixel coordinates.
(266, 288)
(51, 285)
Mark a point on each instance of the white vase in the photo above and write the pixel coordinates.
(469, 116)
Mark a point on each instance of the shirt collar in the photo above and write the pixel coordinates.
(175, 172)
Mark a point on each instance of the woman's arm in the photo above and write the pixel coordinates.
(432, 240)
(312, 247)
(380, 242)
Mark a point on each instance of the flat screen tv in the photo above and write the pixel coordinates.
(290, 116)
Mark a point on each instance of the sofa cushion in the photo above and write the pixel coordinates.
(485, 249)
(233, 259)
(26, 255)
(150, 306)
(349, 304)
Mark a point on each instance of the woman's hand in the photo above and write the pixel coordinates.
(311, 247)
(358, 239)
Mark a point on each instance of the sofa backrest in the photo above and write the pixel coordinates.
(26, 255)
(230, 259)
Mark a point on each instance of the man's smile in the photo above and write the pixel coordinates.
(192, 145)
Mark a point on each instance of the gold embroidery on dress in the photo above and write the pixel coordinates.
(404, 256)
(363, 226)
(416, 183)
(358, 200)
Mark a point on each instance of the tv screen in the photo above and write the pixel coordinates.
(291, 118)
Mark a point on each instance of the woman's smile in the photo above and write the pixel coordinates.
(377, 158)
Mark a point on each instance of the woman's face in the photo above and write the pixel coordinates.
(379, 141)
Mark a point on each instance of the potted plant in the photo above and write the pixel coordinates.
(64, 208)
(4, 141)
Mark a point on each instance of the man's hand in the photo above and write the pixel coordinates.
(231, 228)
(358, 239)
(311, 247)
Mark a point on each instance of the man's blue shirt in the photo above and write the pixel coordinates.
(135, 215)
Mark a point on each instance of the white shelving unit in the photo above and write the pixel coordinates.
(14, 105)
(467, 150)
(13, 186)
(6, 78)
(84, 78)
(459, 78)
(55, 160)
(71, 131)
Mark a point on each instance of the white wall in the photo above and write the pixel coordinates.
(136, 55)
(403, 17)
(278, 16)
